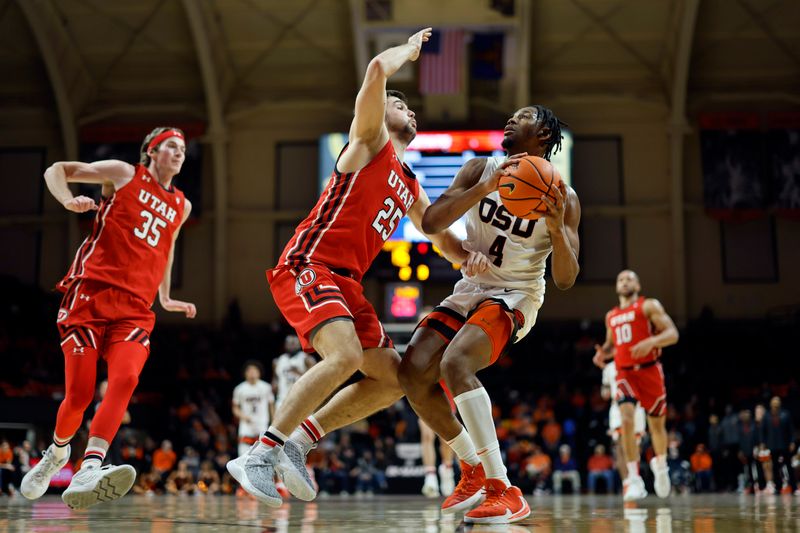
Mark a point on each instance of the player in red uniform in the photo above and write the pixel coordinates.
(636, 331)
(317, 283)
(105, 311)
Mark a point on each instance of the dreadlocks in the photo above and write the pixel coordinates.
(549, 120)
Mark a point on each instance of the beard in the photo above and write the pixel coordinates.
(507, 143)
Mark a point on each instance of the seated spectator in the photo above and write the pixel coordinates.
(164, 458)
(148, 484)
(701, 466)
(551, 435)
(600, 466)
(368, 482)
(539, 468)
(566, 468)
(180, 481)
(7, 468)
(679, 474)
(208, 479)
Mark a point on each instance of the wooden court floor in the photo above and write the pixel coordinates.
(726, 513)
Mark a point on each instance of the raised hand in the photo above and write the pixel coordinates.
(491, 181)
(554, 217)
(416, 41)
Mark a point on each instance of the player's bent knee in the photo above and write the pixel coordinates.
(78, 400)
(127, 381)
(347, 361)
(453, 370)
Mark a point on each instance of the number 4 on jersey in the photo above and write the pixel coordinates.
(496, 250)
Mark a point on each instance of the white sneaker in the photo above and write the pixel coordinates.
(661, 473)
(36, 481)
(431, 486)
(447, 483)
(633, 489)
(769, 488)
(94, 485)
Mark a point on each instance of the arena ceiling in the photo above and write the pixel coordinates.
(97, 59)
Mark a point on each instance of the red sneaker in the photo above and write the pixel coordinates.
(469, 491)
(503, 505)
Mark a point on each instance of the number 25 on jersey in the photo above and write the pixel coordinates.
(386, 220)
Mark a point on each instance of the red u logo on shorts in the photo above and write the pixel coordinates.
(305, 278)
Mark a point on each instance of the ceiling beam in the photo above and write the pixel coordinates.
(761, 22)
(678, 128)
(217, 134)
(60, 60)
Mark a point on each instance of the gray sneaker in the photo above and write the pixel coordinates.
(36, 481)
(292, 469)
(255, 472)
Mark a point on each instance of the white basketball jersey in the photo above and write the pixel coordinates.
(288, 369)
(518, 248)
(254, 402)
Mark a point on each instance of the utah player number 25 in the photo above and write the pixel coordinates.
(387, 219)
(149, 230)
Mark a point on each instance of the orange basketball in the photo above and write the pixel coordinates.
(522, 190)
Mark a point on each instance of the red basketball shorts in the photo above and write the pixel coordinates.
(96, 315)
(311, 295)
(644, 384)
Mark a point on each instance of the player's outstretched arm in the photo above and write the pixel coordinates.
(470, 185)
(164, 289)
(446, 241)
(368, 126)
(60, 174)
(562, 218)
(667, 332)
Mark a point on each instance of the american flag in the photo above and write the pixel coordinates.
(440, 69)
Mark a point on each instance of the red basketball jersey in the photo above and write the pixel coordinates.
(355, 215)
(629, 326)
(131, 238)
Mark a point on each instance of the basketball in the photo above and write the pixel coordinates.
(522, 190)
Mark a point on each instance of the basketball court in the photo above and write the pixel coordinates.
(719, 513)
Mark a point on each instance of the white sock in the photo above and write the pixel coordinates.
(93, 457)
(59, 451)
(464, 449)
(309, 433)
(661, 460)
(476, 411)
(633, 469)
(272, 438)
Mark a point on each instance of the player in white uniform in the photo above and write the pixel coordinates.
(489, 311)
(609, 392)
(288, 367)
(253, 405)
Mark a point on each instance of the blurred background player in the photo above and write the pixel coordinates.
(489, 311)
(253, 405)
(609, 392)
(636, 330)
(106, 309)
(445, 482)
(288, 367)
